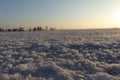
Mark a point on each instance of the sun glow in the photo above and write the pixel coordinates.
(117, 19)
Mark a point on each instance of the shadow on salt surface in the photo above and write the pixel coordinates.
(38, 48)
(86, 46)
(92, 46)
(104, 53)
(33, 47)
(52, 46)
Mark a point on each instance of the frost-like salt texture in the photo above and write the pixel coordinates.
(60, 55)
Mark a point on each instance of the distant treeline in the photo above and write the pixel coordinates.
(39, 28)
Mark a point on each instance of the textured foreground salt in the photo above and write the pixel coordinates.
(60, 55)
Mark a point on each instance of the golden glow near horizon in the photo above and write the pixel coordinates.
(117, 19)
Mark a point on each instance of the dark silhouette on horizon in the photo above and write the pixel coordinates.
(21, 29)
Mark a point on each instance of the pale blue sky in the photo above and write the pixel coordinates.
(71, 14)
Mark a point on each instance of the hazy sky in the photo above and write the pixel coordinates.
(71, 14)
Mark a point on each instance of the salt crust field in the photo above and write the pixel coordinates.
(60, 55)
